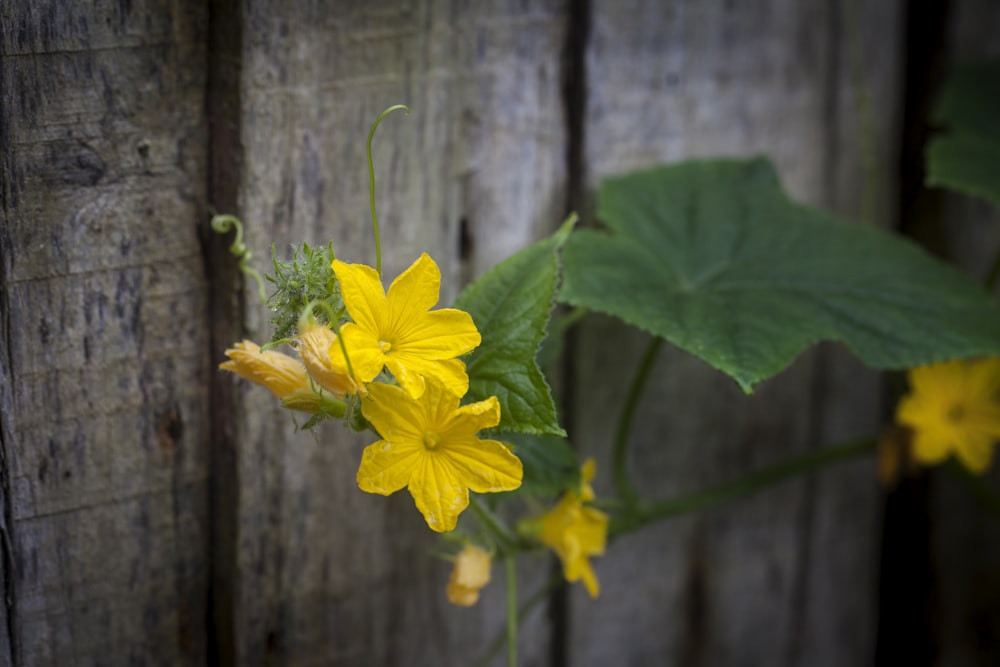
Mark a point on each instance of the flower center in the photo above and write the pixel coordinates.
(385, 346)
(431, 440)
(955, 413)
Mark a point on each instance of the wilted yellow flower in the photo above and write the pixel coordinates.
(954, 408)
(284, 376)
(470, 573)
(430, 445)
(575, 531)
(397, 330)
(314, 345)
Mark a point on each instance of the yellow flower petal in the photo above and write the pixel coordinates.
(486, 466)
(410, 372)
(413, 293)
(429, 446)
(387, 467)
(439, 493)
(363, 294)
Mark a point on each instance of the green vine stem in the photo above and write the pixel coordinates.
(510, 572)
(371, 182)
(538, 597)
(619, 461)
(222, 224)
(699, 500)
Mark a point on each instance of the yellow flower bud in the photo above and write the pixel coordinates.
(314, 345)
(470, 574)
(279, 373)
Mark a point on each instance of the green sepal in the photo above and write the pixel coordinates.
(304, 278)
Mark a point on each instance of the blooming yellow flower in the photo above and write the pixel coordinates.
(397, 330)
(284, 376)
(314, 345)
(470, 574)
(430, 445)
(575, 531)
(954, 408)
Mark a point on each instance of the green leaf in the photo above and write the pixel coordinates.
(550, 465)
(713, 256)
(510, 305)
(967, 157)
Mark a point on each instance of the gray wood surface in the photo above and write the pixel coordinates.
(103, 350)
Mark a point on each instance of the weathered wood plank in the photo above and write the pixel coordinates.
(327, 573)
(103, 169)
(786, 577)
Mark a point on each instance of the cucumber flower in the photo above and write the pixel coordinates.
(430, 446)
(314, 345)
(575, 531)
(470, 573)
(397, 330)
(282, 375)
(954, 408)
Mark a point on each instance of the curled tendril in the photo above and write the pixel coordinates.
(334, 318)
(222, 224)
(371, 182)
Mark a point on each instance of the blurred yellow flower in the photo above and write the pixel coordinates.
(470, 574)
(954, 408)
(314, 345)
(430, 445)
(397, 330)
(282, 375)
(575, 531)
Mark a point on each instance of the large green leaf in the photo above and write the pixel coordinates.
(511, 305)
(967, 157)
(713, 256)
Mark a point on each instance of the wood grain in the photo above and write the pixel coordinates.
(103, 346)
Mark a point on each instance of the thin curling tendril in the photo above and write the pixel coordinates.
(371, 182)
(222, 224)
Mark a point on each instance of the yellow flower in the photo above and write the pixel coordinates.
(470, 574)
(954, 408)
(398, 330)
(430, 445)
(284, 376)
(314, 345)
(575, 531)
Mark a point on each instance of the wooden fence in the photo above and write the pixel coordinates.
(157, 512)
